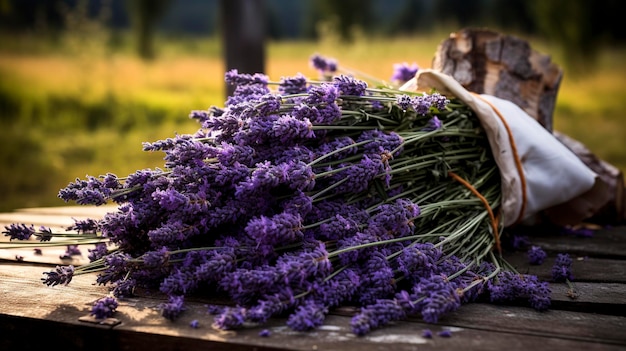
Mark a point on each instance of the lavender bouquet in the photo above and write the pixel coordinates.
(299, 196)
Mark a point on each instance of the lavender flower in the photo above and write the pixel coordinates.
(104, 307)
(536, 255)
(307, 316)
(562, 268)
(347, 85)
(19, 231)
(173, 307)
(60, 275)
(403, 72)
(323, 65)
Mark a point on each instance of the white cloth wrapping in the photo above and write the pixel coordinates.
(558, 187)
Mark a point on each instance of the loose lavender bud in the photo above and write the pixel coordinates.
(322, 64)
(173, 308)
(60, 275)
(194, 324)
(562, 268)
(403, 72)
(427, 333)
(104, 307)
(536, 255)
(265, 333)
(446, 333)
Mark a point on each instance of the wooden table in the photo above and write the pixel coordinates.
(34, 316)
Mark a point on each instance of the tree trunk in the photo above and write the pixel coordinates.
(487, 62)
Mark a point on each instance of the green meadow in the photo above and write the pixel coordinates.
(69, 109)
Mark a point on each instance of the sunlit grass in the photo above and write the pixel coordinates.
(88, 115)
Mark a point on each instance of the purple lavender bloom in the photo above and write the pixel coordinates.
(427, 333)
(432, 125)
(289, 130)
(540, 298)
(335, 144)
(104, 307)
(173, 307)
(282, 228)
(562, 268)
(299, 202)
(440, 303)
(404, 102)
(403, 72)
(439, 101)
(194, 324)
(158, 258)
(300, 176)
(293, 85)
(322, 64)
(381, 142)
(377, 279)
(265, 333)
(376, 315)
(322, 94)
(200, 115)
(349, 85)
(358, 176)
(86, 192)
(340, 288)
(446, 333)
(170, 199)
(124, 288)
(60, 275)
(306, 112)
(394, 219)
(233, 77)
(419, 260)
(536, 255)
(100, 250)
(307, 316)
(330, 113)
(230, 318)
(338, 227)
(421, 104)
(250, 93)
(19, 231)
(72, 250)
(84, 226)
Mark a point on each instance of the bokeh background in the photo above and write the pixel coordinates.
(84, 82)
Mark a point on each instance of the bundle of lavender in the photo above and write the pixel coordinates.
(300, 196)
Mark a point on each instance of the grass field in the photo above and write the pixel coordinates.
(68, 113)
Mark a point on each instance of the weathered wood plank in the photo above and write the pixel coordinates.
(57, 310)
(587, 269)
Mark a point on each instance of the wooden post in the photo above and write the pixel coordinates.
(243, 35)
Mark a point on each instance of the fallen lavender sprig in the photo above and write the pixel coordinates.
(304, 198)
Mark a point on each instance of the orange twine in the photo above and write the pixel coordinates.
(518, 162)
(494, 220)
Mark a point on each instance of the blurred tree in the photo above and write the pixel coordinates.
(580, 27)
(243, 36)
(145, 14)
(346, 15)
